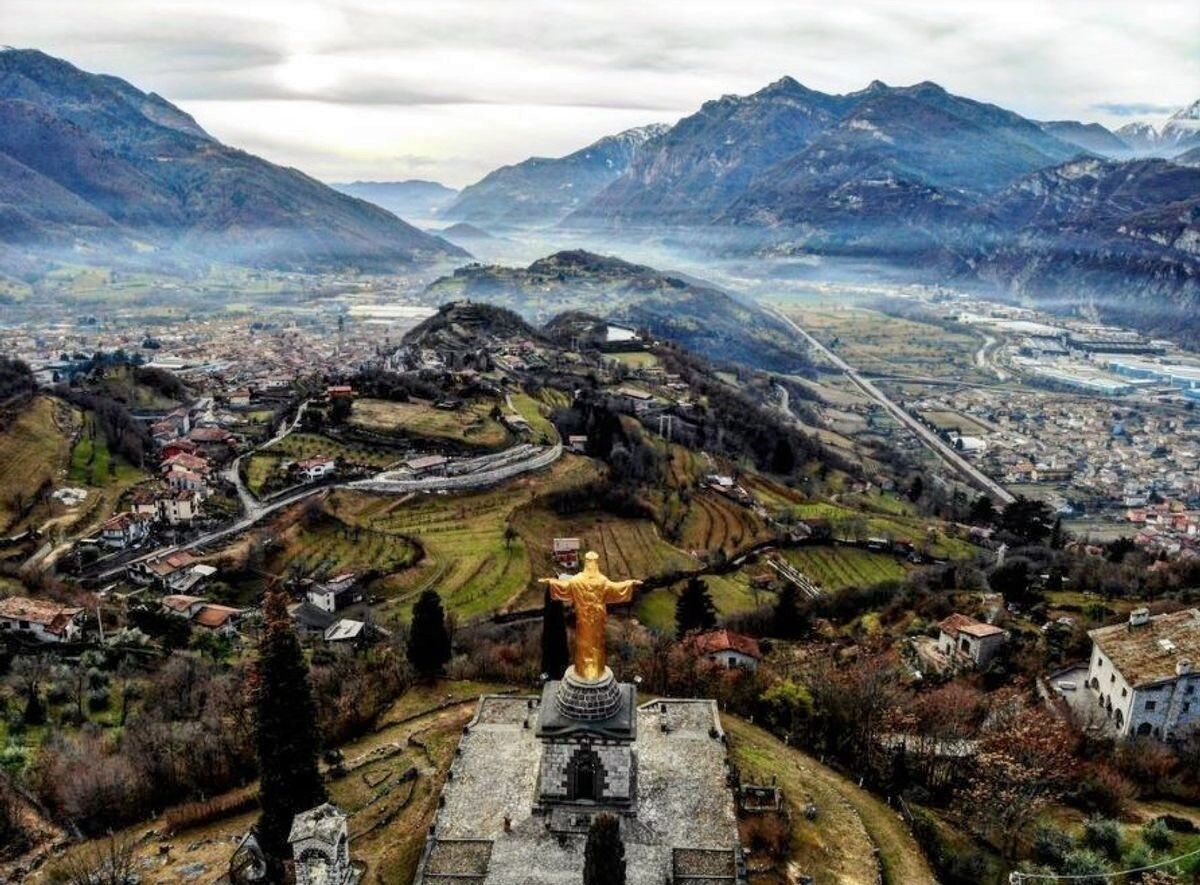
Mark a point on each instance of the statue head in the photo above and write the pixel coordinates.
(591, 561)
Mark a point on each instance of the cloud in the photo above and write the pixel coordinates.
(357, 88)
(1135, 109)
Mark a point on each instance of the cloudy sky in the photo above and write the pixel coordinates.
(448, 89)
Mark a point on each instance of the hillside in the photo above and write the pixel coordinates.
(93, 167)
(1126, 234)
(696, 315)
(413, 198)
(543, 190)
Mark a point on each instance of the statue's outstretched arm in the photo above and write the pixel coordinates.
(560, 590)
(619, 591)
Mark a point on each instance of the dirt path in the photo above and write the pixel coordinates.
(851, 825)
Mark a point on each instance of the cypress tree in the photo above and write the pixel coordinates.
(285, 730)
(789, 621)
(555, 655)
(428, 640)
(604, 855)
(694, 610)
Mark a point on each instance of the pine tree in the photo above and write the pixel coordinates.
(983, 511)
(555, 655)
(604, 854)
(428, 641)
(285, 730)
(694, 610)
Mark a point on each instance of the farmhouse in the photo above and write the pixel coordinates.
(311, 469)
(207, 615)
(729, 649)
(218, 618)
(566, 552)
(1143, 673)
(163, 571)
(124, 530)
(334, 594)
(39, 619)
(967, 640)
(181, 605)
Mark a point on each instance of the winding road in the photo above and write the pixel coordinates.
(932, 441)
(256, 510)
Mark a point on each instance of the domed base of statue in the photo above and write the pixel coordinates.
(601, 706)
(586, 700)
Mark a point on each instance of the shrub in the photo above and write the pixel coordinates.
(98, 699)
(1104, 790)
(1086, 864)
(1103, 835)
(1051, 846)
(1157, 835)
(1177, 824)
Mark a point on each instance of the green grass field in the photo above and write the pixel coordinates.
(34, 447)
(471, 425)
(532, 411)
(639, 359)
(92, 464)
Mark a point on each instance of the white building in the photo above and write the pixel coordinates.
(965, 639)
(728, 649)
(125, 530)
(315, 468)
(40, 619)
(334, 594)
(1143, 673)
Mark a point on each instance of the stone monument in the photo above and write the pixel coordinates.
(321, 847)
(531, 772)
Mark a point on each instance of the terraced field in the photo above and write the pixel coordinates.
(713, 523)
(628, 548)
(471, 425)
(332, 547)
(836, 568)
(899, 528)
(468, 559)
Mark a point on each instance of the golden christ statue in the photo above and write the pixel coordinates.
(590, 591)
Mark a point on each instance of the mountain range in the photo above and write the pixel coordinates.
(930, 182)
(413, 198)
(541, 190)
(92, 170)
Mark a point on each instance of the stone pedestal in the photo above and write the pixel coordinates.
(585, 700)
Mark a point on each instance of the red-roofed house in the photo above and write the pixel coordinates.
(966, 639)
(40, 619)
(727, 648)
(125, 529)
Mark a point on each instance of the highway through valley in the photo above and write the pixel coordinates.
(935, 443)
